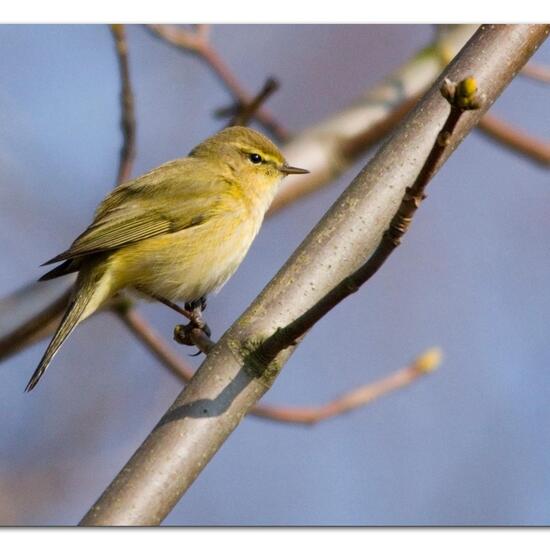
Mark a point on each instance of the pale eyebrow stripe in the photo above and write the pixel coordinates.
(266, 157)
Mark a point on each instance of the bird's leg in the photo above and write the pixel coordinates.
(196, 332)
(182, 311)
(201, 302)
(195, 308)
(191, 310)
(188, 334)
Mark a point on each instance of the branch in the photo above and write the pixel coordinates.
(359, 397)
(328, 149)
(127, 119)
(333, 145)
(145, 333)
(541, 73)
(356, 398)
(197, 43)
(515, 139)
(246, 112)
(38, 326)
(231, 379)
(461, 97)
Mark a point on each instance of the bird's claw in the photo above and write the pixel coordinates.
(183, 334)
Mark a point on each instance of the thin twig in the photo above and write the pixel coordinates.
(145, 333)
(359, 397)
(197, 43)
(537, 72)
(127, 120)
(515, 139)
(461, 97)
(246, 112)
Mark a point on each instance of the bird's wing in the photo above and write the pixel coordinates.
(115, 231)
(152, 205)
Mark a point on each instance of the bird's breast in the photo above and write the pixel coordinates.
(190, 263)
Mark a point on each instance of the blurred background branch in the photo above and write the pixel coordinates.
(128, 117)
(516, 140)
(197, 42)
(359, 397)
(245, 112)
(537, 72)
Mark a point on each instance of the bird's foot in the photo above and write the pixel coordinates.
(196, 320)
(193, 335)
(196, 332)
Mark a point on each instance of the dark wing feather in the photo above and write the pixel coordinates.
(70, 266)
(108, 234)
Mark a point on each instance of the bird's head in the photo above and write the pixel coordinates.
(246, 156)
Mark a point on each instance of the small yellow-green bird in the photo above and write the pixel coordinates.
(176, 233)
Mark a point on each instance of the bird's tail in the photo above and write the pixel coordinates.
(86, 299)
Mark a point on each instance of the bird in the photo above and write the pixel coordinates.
(176, 233)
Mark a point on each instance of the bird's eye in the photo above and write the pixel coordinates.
(255, 158)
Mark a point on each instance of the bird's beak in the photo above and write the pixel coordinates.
(286, 169)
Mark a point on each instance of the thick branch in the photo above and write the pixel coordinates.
(331, 146)
(461, 98)
(231, 380)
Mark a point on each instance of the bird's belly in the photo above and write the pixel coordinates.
(188, 264)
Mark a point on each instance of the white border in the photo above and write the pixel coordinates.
(275, 539)
(277, 11)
